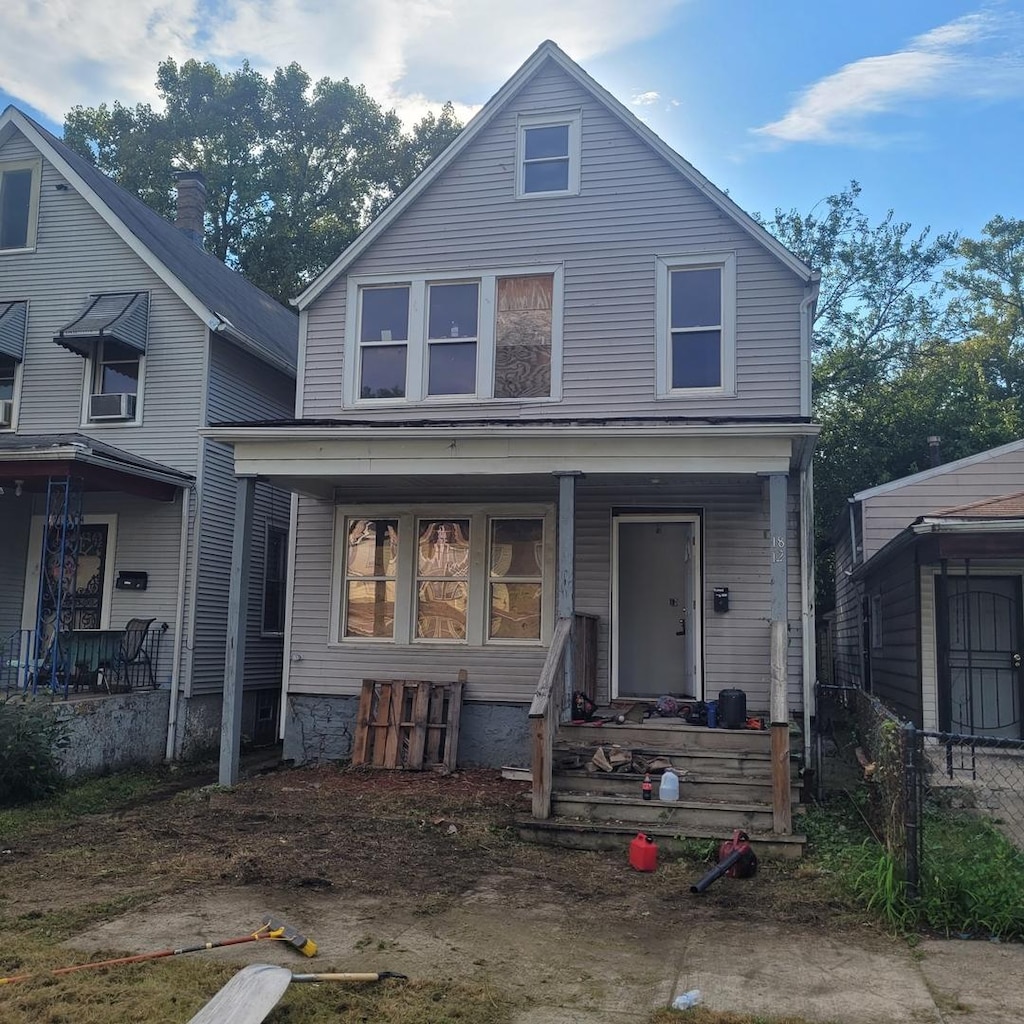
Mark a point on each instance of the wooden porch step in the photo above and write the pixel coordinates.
(671, 839)
(668, 734)
(739, 762)
(753, 816)
(703, 784)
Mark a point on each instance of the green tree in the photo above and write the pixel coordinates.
(294, 169)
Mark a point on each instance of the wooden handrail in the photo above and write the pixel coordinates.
(545, 712)
(549, 673)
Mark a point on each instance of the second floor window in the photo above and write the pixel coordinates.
(496, 336)
(19, 204)
(116, 370)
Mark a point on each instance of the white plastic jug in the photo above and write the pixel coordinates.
(668, 788)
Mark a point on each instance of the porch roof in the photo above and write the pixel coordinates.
(33, 458)
(310, 455)
(991, 528)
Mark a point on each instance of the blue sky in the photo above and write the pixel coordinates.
(779, 103)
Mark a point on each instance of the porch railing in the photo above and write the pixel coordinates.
(560, 676)
(94, 660)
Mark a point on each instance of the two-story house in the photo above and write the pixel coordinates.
(119, 339)
(929, 613)
(563, 374)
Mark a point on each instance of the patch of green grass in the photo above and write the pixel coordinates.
(92, 796)
(971, 875)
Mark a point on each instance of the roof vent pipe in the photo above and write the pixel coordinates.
(191, 211)
(933, 447)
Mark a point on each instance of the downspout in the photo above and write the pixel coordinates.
(806, 332)
(807, 599)
(179, 626)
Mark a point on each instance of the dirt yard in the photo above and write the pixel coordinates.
(418, 873)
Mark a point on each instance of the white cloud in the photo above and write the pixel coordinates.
(410, 54)
(978, 55)
(645, 99)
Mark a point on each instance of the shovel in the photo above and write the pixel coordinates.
(255, 990)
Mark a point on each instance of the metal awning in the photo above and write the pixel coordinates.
(13, 316)
(120, 316)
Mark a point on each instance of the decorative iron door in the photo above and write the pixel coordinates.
(980, 649)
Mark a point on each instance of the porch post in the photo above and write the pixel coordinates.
(238, 607)
(566, 596)
(782, 811)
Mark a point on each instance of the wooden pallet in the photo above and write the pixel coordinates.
(403, 723)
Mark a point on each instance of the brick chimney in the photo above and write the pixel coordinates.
(191, 205)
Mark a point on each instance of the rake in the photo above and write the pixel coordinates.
(271, 929)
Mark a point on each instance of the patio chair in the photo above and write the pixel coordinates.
(131, 659)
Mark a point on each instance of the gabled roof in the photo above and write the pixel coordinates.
(548, 51)
(222, 298)
(946, 467)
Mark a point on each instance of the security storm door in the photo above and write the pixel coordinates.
(980, 650)
(657, 621)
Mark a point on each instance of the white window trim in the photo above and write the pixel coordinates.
(281, 527)
(572, 118)
(726, 262)
(477, 611)
(30, 598)
(36, 167)
(15, 398)
(91, 363)
(416, 370)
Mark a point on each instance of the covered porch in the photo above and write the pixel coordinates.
(685, 547)
(88, 533)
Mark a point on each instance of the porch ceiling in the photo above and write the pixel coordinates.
(316, 459)
(32, 460)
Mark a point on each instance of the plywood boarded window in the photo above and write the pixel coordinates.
(516, 578)
(522, 357)
(371, 570)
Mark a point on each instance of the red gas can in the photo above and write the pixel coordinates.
(643, 853)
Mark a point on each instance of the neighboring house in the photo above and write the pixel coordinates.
(928, 594)
(562, 374)
(119, 339)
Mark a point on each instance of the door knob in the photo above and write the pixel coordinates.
(1015, 660)
(682, 630)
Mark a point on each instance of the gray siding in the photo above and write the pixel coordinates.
(238, 390)
(632, 207)
(885, 515)
(896, 664)
(847, 617)
(736, 550)
(14, 527)
(78, 253)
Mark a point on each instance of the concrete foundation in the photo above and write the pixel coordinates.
(109, 733)
(323, 729)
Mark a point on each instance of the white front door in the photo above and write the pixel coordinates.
(657, 618)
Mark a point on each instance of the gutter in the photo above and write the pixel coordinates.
(221, 325)
(806, 340)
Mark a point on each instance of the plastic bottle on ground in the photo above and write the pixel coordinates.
(687, 1000)
(668, 788)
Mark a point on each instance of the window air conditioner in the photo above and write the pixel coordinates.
(112, 407)
(6, 413)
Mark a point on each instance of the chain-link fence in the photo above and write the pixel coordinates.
(860, 744)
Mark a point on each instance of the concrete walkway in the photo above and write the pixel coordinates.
(565, 974)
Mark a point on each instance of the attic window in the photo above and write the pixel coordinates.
(19, 204)
(548, 155)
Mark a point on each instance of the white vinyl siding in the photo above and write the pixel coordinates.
(632, 207)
